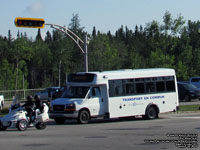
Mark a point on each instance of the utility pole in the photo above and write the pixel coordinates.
(85, 53)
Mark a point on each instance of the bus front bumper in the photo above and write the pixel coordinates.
(72, 115)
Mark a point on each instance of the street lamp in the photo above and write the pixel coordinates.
(77, 40)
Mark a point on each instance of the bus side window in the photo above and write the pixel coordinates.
(150, 87)
(95, 92)
(129, 86)
(116, 88)
(139, 86)
(129, 89)
(170, 85)
(160, 86)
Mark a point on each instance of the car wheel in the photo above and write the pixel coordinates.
(187, 98)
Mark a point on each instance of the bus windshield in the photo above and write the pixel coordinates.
(76, 92)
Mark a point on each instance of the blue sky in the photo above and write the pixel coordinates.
(105, 15)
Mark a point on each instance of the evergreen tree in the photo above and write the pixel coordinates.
(74, 26)
(48, 38)
(94, 32)
(39, 37)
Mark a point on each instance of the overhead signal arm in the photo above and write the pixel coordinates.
(72, 35)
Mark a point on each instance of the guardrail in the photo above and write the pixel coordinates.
(20, 94)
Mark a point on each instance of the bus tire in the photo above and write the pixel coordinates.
(151, 113)
(83, 117)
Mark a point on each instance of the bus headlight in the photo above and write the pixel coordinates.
(70, 107)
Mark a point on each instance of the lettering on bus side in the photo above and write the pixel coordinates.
(143, 98)
(133, 99)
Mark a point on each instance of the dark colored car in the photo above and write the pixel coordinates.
(187, 91)
(48, 93)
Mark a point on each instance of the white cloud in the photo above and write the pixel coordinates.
(34, 8)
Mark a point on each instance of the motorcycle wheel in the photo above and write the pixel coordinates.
(22, 125)
(40, 125)
(2, 128)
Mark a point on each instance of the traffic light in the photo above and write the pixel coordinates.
(29, 22)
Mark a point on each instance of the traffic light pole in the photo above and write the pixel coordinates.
(85, 53)
(77, 40)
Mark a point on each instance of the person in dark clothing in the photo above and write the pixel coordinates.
(38, 103)
(29, 107)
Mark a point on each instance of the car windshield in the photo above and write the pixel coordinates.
(76, 92)
(190, 86)
(195, 79)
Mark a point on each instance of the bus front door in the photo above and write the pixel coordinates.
(96, 102)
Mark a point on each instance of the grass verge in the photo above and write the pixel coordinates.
(4, 111)
(184, 108)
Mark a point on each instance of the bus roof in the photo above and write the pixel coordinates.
(135, 73)
(102, 77)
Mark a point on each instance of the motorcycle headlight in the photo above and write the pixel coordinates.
(70, 107)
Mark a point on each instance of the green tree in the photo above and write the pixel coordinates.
(20, 54)
(7, 78)
(40, 67)
(104, 55)
(159, 59)
(39, 37)
(75, 24)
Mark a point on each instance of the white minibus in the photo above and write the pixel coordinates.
(116, 94)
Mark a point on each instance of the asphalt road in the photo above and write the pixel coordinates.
(165, 133)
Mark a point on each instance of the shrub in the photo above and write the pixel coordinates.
(5, 110)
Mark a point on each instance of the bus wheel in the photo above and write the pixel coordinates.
(83, 117)
(151, 113)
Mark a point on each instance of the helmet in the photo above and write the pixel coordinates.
(29, 98)
(37, 98)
